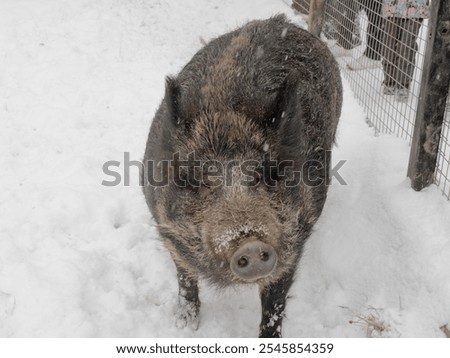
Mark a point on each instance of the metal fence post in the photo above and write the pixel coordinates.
(433, 93)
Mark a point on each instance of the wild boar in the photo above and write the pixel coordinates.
(237, 161)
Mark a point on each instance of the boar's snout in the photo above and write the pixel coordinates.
(253, 260)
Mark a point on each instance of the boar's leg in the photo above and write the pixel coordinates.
(188, 301)
(273, 304)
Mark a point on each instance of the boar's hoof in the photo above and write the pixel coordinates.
(253, 260)
(187, 314)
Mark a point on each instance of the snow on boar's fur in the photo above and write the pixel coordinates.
(237, 160)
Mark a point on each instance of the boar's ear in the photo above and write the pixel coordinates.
(284, 102)
(173, 96)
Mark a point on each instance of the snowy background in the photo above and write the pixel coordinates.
(79, 84)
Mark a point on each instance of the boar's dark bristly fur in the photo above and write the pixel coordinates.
(267, 90)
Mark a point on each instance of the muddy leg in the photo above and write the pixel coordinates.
(188, 301)
(273, 304)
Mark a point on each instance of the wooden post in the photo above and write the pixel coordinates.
(433, 93)
(316, 16)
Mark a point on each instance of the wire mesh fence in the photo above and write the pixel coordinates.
(443, 166)
(382, 57)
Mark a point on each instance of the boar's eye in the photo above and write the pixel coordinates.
(204, 190)
(200, 188)
(270, 176)
(257, 178)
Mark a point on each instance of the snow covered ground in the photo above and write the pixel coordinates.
(79, 84)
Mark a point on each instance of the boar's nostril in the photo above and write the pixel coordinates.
(243, 261)
(253, 260)
(264, 255)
